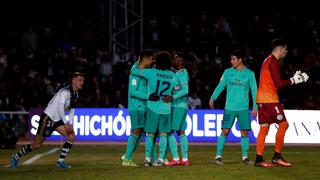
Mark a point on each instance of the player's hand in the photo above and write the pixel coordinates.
(254, 113)
(154, 97)
(297, 78)
(167, 98)
(211, 104)
(305, 77)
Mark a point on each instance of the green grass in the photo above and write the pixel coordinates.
(103, 162)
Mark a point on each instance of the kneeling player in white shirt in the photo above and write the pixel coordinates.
(53, 119)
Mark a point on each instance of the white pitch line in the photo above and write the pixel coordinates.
(36, 157)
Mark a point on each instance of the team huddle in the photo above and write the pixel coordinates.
(157, 104)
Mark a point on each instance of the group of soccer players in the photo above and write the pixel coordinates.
(158, 92)
(163, 106)
(158, 107)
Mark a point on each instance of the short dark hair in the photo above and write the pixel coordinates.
(163, 60)
(145, 54)
(278, 42)
(181, 55)
(76, 73)
(238, 53)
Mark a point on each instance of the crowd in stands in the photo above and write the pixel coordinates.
(35, 61)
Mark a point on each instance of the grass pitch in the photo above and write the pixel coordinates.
(103, 162)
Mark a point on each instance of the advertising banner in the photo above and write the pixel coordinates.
(109, 124)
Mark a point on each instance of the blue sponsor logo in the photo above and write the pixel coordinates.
(108, 124)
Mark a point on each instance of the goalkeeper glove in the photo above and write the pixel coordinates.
(154, 97)
(297, 78)
(305, 77)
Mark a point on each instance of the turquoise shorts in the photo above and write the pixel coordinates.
(157, 122)
(138, 119)
(179, 122)
(242, 116)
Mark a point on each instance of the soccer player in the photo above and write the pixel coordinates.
(179, 112)
(54, 119)
(238, 79)
(270, 110)
(161, 84)
(137, 106)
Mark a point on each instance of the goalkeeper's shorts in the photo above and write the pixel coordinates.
(271, 113)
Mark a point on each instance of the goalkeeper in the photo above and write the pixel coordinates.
(270, 110)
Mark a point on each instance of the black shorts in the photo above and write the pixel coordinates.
(47, 125)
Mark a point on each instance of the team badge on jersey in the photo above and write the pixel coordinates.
(176, 88)
(279, 117)
(134, 82)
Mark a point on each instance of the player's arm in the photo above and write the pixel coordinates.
(217, 91)
(135, 92)
(71, 115)
(139, 95)
(253, 89)
(135, 65)
(64, 97)
(169, 97)
(184, 88)
(221, 86)
(145, 73)
(182, 92)
(275, 75)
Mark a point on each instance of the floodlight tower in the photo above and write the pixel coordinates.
(125, 24)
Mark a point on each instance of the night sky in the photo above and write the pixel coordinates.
(18, 15)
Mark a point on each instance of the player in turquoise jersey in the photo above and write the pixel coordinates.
(161, 84)
(179, 112)
(238, 79)
(137, 106)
